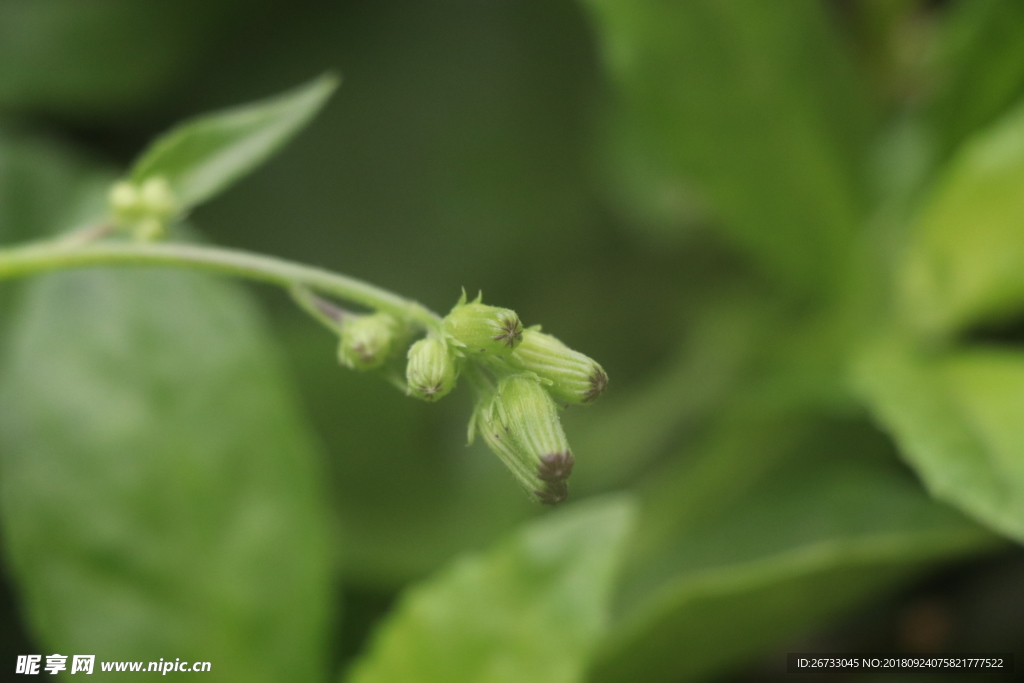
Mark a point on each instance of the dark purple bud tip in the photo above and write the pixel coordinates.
(511, 331)
(555, 467)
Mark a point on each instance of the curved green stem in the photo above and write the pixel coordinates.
(46, 256)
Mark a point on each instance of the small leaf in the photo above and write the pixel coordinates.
(530, 609)
(159, 491)
(776, 524)
(965, 263)
(958, 417)
(202, 157)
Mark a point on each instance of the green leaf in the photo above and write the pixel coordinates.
(756, 104)
(530, 609)
(776, 524)
(623, 433)
(982, 64)
(965, 263)
(202, 157)
(159, 491)
(958, 417)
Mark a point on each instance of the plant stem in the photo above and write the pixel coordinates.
(46, 256)
(320, 309)
(87, 234)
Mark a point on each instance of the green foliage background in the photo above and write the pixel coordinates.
(792, 233)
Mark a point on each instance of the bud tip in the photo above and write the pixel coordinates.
(555, 467)
(598, 383)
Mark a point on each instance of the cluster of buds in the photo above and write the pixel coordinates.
(536, 373)
(522, 378)
(144, 208)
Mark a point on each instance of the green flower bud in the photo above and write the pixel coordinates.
(520, 424)
(574, 378)
(125, 203)
(431, 372)
(367, 340)
(144, 209)
(158, 198)
(479, 328)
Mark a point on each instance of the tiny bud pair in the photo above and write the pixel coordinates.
(146, 207)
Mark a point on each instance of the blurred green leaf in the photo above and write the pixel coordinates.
(965, 263)
(958, 417)
(651, 196)
(83, 59)
(160, 494)
(777, 523)
(623, 433)
(742, 346)
(982, 67)
(202, 157)
(757, 105)
(888, 37)
(530, 609)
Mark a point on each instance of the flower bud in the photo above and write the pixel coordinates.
(431, 372)
(574, 378)
(520, 424)
(158, 198)
(483, 329)
(125, 203)
(145, 209)
(366, 340)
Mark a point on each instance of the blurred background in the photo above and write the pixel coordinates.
(520, 147)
